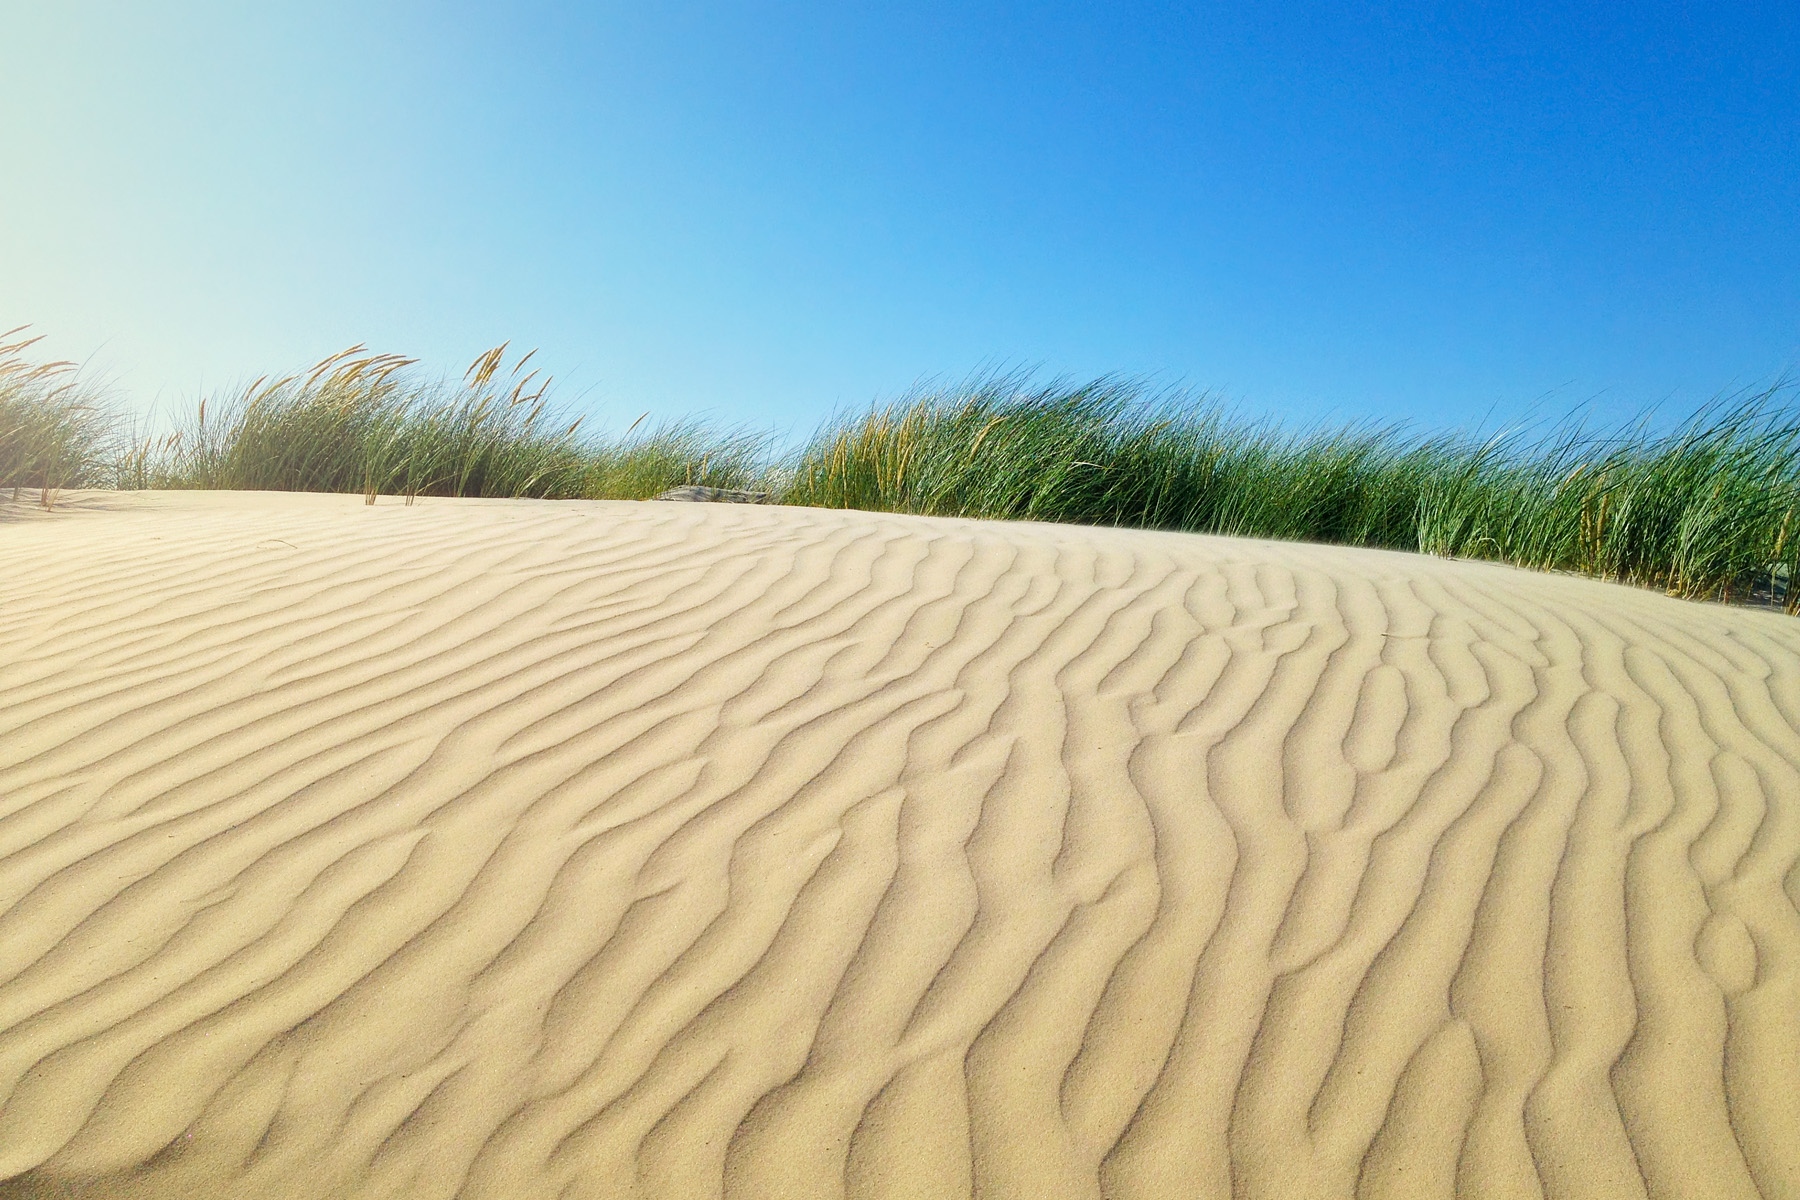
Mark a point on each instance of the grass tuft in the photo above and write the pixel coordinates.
(55, 432)
(366, 423)
(1711, 510)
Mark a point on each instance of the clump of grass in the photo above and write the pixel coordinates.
(55, 432)
(1109, 452)
(674, 455)
(988, 450)
(1707, 510)
(365, 422)
(1710, 510)
(1694, 510)
(361, 422)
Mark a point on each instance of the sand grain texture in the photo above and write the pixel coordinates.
(518, 850)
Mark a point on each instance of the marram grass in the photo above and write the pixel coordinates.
(1710, 510)
(55, 431)
(363, 422)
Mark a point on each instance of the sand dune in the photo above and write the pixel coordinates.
(517, 850)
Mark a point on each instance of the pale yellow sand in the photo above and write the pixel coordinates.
(518, 850)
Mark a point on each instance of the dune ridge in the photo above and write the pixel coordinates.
(520, 849)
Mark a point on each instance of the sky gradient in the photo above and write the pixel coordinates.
(765, 212)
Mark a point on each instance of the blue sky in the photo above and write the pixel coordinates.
(1430, 214)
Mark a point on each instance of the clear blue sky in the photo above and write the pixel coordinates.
(767, 211)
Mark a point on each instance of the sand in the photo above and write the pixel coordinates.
(515, 850)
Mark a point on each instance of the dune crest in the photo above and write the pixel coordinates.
(524, 849)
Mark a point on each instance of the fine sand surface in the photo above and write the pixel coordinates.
(511, 850)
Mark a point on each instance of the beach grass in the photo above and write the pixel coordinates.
(368, 423)
(56, 431)
(1710, 509)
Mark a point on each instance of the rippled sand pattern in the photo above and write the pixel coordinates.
(516, 850)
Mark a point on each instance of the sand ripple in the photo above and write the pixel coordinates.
(516, 850)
